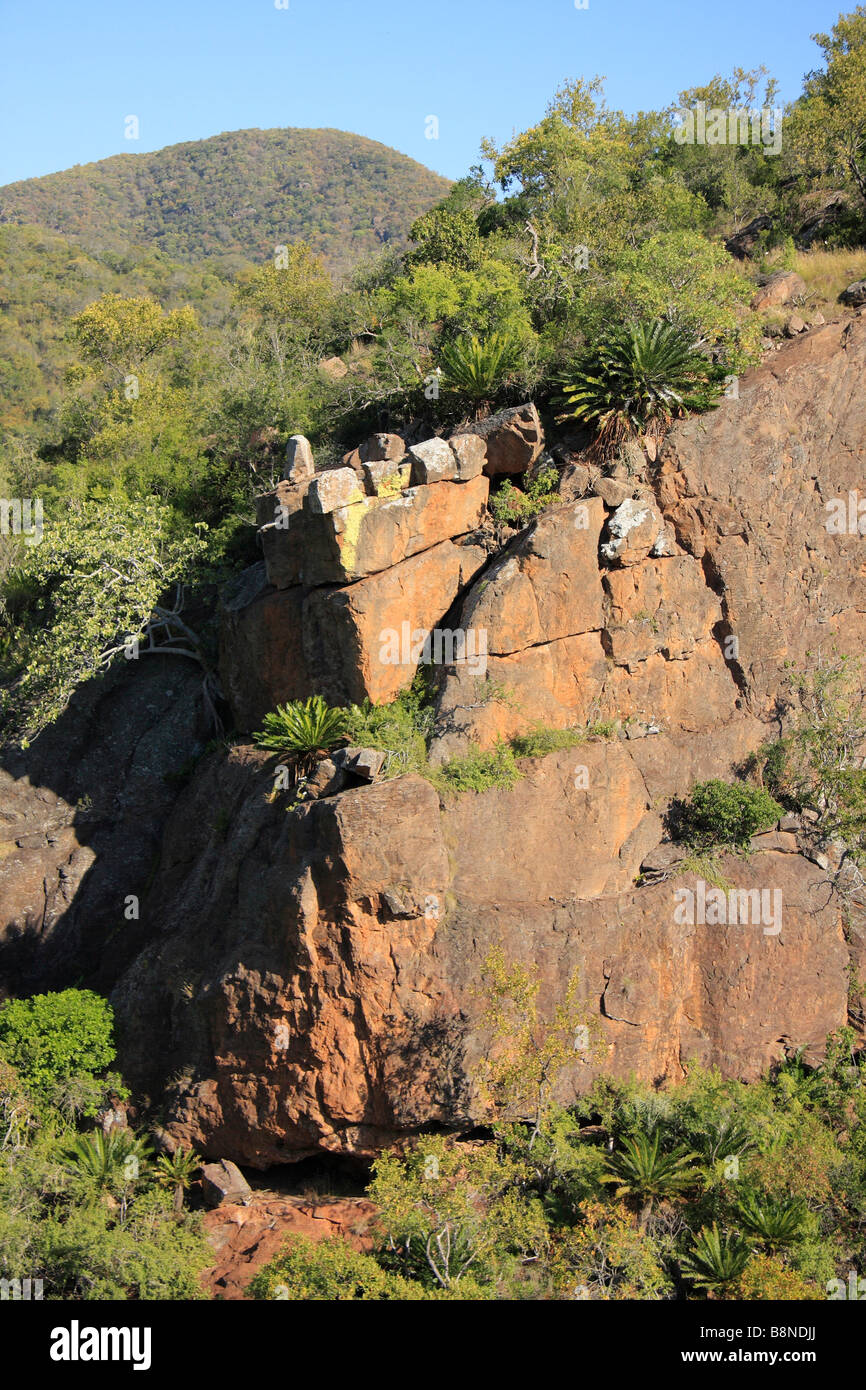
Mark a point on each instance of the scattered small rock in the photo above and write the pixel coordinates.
(361, 762)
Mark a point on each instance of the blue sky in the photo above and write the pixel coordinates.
(70, 73)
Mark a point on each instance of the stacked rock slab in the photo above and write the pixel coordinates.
(360, 562)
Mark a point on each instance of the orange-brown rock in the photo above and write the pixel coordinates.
(245, 1239)
(545, 586)
(380, 532)
(749, 490)
(368, 637)
(780, 288)
(309, 975)
(330, 994)
(262, 657)
(514, 440)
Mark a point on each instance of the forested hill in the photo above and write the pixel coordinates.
(243, 192)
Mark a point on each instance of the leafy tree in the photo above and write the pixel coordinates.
(828, 124)
(767, 1277)
(96, 582)
(291, 298)
(451, 1212)
(818, 764)
(50, 1037)
(122, 333)
(484, 301)
(736, 181)
(605, 1255)
(686, 280)
(87, 1255)
(447, 234)
(526, 1055)
(332, 1270)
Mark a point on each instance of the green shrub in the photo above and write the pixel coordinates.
(540, 740)
(325, 1270)
(515, 507)
(478, 772)
(51, 1038)
(401, 729)
(726, 813)
(817, 766)
(153, 1256)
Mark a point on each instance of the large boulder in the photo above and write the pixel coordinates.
(223, 1183)
(332, 955)
(514, 440)
(780, 288)
(300, 466)
(262, 656)
(855, 294)
(751, 491)
(366, 639)
(743, 242)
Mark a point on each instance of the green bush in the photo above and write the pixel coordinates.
(478, 772)
(401, 729)
(817, 765)
(325, 1270)
(540, 740)
(726, 813)
(51, 1038)
(516, 507)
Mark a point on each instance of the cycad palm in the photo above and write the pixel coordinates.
(775, 1223)
(715, 1259)
(108, 1164)
(637, 377)
(303, 729)
(726, 1138)
(641, 1170)
(478, 367)
(176, 1171)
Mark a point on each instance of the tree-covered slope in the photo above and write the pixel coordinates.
(46, 280)
(243, 192)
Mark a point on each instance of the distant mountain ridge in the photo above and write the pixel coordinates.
(240, 193)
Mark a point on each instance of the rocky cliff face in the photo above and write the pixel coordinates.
(307, 978)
